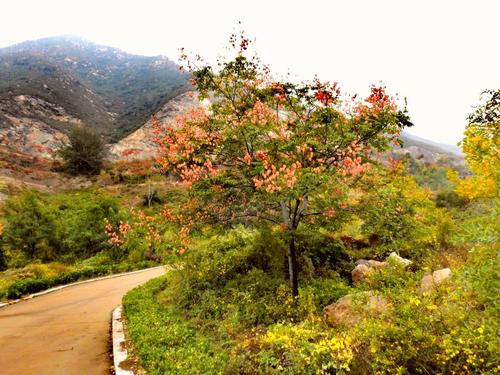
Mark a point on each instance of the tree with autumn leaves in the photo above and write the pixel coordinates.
(481, 146)
(273, 150)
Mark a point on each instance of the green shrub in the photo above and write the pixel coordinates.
(214, 262)
(237, 276)
(3, 258)
(29, 227)
(79, 219)
(23, 287)
(389, 215)
(36, 284)
(323, 253)
(449, 199)
(320, 292)
(65, 227)
(85, 152)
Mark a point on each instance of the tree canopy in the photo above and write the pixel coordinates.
(273, 150)
(85, 152)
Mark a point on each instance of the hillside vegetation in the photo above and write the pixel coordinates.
(300, 253)
(229, 312)
(49, 239)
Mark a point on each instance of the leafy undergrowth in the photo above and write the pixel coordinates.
(48, 240)
(229, 311)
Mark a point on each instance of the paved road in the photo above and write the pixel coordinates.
(64, 332)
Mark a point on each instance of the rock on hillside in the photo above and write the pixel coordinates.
(352, 308)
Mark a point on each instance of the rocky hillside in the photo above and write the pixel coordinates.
(48, 85)
(430, 152)
(32, 125)
(139, 144)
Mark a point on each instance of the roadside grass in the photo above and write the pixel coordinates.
(164, 342)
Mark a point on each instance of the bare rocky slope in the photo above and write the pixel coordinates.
(32, 125)
(140, 144)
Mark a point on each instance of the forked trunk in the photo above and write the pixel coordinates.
(292, 212)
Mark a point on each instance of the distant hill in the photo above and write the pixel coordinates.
(432, 153)
(50, 84)
(413, 140)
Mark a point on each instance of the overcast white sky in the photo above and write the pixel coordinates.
(439, 54)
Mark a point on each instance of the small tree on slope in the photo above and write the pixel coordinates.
(85, 152)
(273, 150)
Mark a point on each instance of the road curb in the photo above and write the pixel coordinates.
(55, 289)
(120, 353)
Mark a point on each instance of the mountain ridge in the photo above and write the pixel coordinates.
(415, 139)
(114, 91)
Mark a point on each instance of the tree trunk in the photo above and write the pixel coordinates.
(292, 211)
(292, 267)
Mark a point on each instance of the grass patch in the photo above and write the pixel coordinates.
(166, 343)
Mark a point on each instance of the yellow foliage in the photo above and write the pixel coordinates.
(310, 347)
(481, 145)
(412, 190)
(478, 186)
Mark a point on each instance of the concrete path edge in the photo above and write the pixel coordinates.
(55, 289)
(120, 352)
